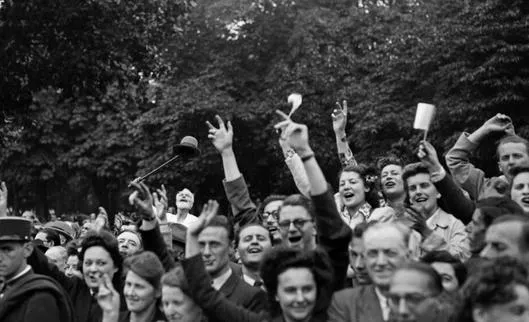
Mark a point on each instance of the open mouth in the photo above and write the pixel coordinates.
(294, 239)
(348, 194)
(254, 250)
(390, 184)
(525, 200)
(421, 199)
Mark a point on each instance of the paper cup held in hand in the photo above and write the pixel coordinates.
(424, 116)
(295, 99)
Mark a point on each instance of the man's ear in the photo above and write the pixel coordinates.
(478, 315)
(28, 249)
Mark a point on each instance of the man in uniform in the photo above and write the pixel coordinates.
(24, 295)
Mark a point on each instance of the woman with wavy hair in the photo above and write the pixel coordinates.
(358, 194)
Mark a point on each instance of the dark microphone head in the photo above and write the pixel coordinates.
(188, 147)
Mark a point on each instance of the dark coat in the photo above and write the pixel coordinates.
(158, 316)
(213, 303)
(35, 298)
(85, 305)
(359, 304)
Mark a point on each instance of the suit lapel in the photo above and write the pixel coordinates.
(228, 287)
(371, 311)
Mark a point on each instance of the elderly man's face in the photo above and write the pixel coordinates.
(57, 256)
(184, 199)
(384, 251)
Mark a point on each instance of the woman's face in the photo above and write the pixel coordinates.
(96, 262)
(296, 293)
(178, 307)
(352, 189)
(514, 311)
(139, 293)
(520, 190)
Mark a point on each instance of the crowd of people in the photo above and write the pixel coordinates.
(398, 242)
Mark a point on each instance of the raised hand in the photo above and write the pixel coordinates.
(3, 199)
(428, 157)
(107, 297)
(160, 203)
(101, 219)
(339, 118)
(141, 198)
(416, 221)
(296, 135)
(221, 137)
(499, 123)
(208, 212)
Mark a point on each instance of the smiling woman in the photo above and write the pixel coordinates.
(142, 288)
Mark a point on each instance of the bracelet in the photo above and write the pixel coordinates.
(307, 157)
(289, 154)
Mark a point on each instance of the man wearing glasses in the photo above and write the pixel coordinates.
(296, 223)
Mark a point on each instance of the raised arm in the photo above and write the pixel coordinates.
(150, 229)
(333, 233)
(339, 122)
(3, 199)
(452, 200)
(243, 209)
(470, 178)
(295, 165)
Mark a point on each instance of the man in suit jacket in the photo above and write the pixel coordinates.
(215, 241)
(385, 249)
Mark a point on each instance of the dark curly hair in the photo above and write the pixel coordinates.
(492, 284)
(299, 200)
(280, 259)
(442, 256)
(107, 241)
(370, 178)
(266, 201)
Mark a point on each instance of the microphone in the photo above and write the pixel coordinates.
(188, 148)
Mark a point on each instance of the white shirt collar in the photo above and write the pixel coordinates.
(439, 219)
(24, 271)
(384, 305)
(219, 281)
(248, 279)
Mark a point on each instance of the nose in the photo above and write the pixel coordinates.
(292, 228)
(299, 296)
(403, 308)
(486, 252)
(359, 263)
(381, 259)
(206, 252)
(92, 268)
